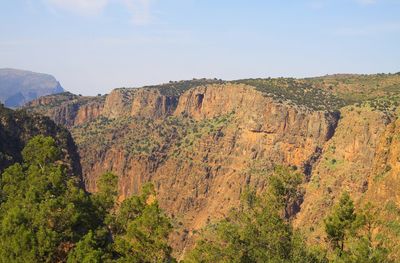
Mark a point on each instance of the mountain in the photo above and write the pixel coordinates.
(18, 127)
(19, 86)
(203, 142)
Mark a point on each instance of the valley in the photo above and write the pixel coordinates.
(203, 142)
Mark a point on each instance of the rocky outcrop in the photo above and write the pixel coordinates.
(384, 180)
(243, 134)
(88, 112)
(18, 87)
(67, 109)
(203, 145)
(346, 164)
(149, 103)
(17, 127)
(118, 103)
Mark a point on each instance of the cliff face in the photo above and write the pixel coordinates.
(205, 146)
(68, 109)
(18, 87)
(17, 127)
(346, 164)
(201, 144)
(384, 179)
(362, 159)
(267, 130)
(149, 103)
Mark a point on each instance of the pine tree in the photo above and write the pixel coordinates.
(259, 230)
(45, 215)
(141, 230)
(350, 234)
(339, 224)
(364, 246)
(43, 212)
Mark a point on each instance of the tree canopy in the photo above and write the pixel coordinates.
(350, 234)
(46, 216)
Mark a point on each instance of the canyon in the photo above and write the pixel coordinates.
(203, 142)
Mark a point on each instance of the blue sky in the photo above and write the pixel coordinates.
(93, 46)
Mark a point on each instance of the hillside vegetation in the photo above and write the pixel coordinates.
(47, 217)
(204, 143)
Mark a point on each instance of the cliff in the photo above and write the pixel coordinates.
(18, 87)
(67, 109)
(17, 127)
(203, 142)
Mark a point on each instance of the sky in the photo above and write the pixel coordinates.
(93, 46)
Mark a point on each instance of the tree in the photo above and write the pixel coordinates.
(259, 230)
(106, 196)
(364, 245)
(44, 212)
(45, 215)
(141, 230)
(41, 151)
(339, 224)
(350, 234)
(86, 251)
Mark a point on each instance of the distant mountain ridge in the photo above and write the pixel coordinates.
(18, 87)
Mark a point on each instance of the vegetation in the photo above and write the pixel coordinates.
(16, 127)
(45, 215)
(258, 231)
(176, 88)
(141, 230)
(43, 212)
(139, 136)
(351, 235)
(296, 92)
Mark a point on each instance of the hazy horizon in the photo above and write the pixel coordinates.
(93, 46)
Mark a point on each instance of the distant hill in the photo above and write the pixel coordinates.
(18, 87)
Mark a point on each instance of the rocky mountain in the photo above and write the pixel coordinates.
(18, 87)
(17, 127)
(202, 142)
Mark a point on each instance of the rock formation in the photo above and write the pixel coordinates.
(203, 142)
(18, 87)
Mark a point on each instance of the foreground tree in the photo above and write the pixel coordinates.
(339, 224)
(45, 215)
(136, 230)
(141, 230)
(351, 236)
(43, 210)
(259, 230)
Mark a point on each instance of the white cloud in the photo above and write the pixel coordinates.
(140, 9)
